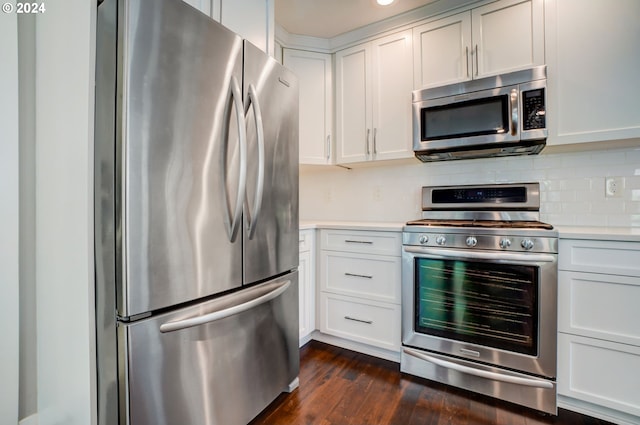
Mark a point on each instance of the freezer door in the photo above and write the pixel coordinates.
(218, 363)
(271, 206)
(180, 188)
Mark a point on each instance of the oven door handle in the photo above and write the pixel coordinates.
(529, 382)
(470, 255)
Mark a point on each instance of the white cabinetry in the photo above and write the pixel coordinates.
(314, 76)
(599, 336)
(208, 7)
(306, 285)
(360, 286)
(251, 19)
(593, 61)
(499, 37)
(373, 100)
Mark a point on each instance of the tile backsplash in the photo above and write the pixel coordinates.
(572, 187)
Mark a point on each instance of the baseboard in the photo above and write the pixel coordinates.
(29, 420)
(596, 411)
(357, 346)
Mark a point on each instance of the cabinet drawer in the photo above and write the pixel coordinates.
(600, 306)
(599, 372)
(366, 242)
(361, 275)
(599, 256)
(305, 238)
(370, 322)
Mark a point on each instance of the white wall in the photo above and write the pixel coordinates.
(65, 62)
(572, 187)
(9, 219)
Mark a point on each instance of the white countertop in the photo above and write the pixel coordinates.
(629, 234)
(381, 226)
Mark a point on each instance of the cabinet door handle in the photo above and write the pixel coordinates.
(477, 62)
(328, 147)
(364, 276)
(368, 322)
(467, 56)
(375, 137)
(354, 241)
(367, 141)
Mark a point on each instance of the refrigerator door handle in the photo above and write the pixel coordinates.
(252, 216)
(227, 311)
(242, 180)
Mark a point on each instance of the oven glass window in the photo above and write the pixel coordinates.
(464, 119)
(494, 305)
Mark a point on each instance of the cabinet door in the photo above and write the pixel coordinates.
(353, 104)
(314, 77)
(252, 20)
(305, 289)
(593, 62)
(599, 372)
(442, 51)
(392, 74)
(203, 6)
(507, 35)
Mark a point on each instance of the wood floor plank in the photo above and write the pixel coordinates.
(342, 387)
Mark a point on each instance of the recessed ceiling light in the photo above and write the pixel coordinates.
(384, 2)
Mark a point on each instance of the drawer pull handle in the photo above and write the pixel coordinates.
(368, 322)
(364, 276)
(363, 242)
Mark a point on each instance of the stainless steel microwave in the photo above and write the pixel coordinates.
(494, 116)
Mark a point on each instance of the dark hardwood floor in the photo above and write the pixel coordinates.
(342, 387)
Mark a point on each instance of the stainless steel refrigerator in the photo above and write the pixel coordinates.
(196, 219)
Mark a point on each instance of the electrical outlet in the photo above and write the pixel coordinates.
(613, 187)
(377, 193)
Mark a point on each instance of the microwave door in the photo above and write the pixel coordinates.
(481, 118)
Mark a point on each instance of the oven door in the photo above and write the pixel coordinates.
(496, 308)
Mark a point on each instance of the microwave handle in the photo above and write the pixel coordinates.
(513, 121)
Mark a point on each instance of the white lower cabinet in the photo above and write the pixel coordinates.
(361, 320)
(600, 372)
(306, 285)
(599, 328)
(360, 275)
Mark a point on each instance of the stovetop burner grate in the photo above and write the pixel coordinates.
(510, 224)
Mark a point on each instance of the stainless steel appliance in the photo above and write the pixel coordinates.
(479, 290)
(495, 116)
(196, 219)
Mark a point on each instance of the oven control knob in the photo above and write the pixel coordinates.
(441, 240)
(527, 244)
(423, 239)
(505, 243)
(471, 241)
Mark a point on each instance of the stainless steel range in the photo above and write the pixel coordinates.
(479, 290)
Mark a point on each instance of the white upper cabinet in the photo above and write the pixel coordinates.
(499, 37)
(593, 60)
(251, 19)
(373, 100)
(442, 51)
(210, 8)
(314, 76)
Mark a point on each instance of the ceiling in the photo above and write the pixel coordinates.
(328, 18)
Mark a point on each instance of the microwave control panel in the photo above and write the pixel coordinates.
(533, 109)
